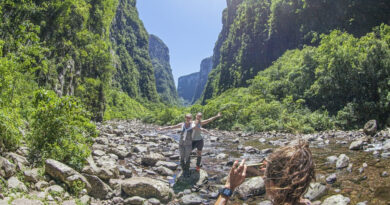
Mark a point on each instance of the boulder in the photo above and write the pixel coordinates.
(55, 189)
(169, 165)
(342, 161)
(154, 201)
(32, 175)
(64, 173)
(100, 189)
(315, 191)
(15, 184)
(356, 145)
(147, 188)
(265, 203)
(40, 185)
(191, 199)
(120, 151)
(7, 169)
(370, 127)
(151, 159)
(19, 160)
(140, 149)
(331, 178)
(336, 200)
(164, 171)
(252, 187)
(332, 159)
(135, 200)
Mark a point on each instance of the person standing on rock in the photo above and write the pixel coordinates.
(197, 139)
(185, 142)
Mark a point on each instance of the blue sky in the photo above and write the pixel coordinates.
(189, 28)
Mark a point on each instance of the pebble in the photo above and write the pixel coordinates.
(384, 174)
(331, 178)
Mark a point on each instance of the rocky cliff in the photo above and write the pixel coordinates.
(186, 87)
(159, 54)
(205, 67)
(256, 33)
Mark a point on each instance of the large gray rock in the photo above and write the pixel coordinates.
(147, 188)
(32, 175)
(151, 159)
(336, 200)
(135, 200)
(315, 191)
(7, 169)
(356, 145)
(120, 151)
(342, 161)
(252, 187)
(370, 127)
(191, 199)
(64, 173)
(169, 165)
(24, 201)
(19, 160)
(15, 184)
(100, 189)
(164, 171)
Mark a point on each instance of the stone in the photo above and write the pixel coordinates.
(386, 145)
(135, 200)
(221, 156)
(385, 155)
(342, 161)
(356, 145)
(362, 203)
(41, 185)
(19, 160)
(331, 178)
(154, 201)
(85, 199)
(336, 200)
(55, 189)
(7, 169)
(265, 203)
(164, 171)
(140, 149)
(69, 202)
(252, 187)
(151, 159)
(370, 127)
(147, 188)
(315, 191)
(32, 175)
(24, 201)
(15, 184)
(332, 159)
(100, 189)
(170, 165)
(174, 157)
(384, 174)
(120, 151)
(191, 199)
(125, 172)
(64, 173)
(98, 153)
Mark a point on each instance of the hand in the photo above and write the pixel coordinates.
(236, 176)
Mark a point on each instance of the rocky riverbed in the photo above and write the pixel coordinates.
(132, 163)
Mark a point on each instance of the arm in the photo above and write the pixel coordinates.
(235, 179)
(206, 131)
(171, 127)
(204, 122)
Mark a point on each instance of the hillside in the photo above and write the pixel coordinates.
(186, 87)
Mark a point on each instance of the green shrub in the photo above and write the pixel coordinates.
(61, 130)
(10, 135)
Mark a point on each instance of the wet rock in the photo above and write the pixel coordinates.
(117, 200)
(100, 189)
(191, 199)
(24, 201)
(32, 175)
(315, 191)
(135, 200)
(151, 159)
(147, 188)
(120, 151)
(384, 174)
(140, 149)
(125, 172)
(370, 127)
(336, 200)
(169, 165)
(221, 156)
(154, 201)
(7, 169)
(385, 155)
(265, 203)
(342, 161)
(386, 145)
(331, 178)
(251, 187)
(15, 184)
(356, 145)
(64, 173)
(98, 153)
(164, 171)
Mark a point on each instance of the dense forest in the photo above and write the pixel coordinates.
(286, 65)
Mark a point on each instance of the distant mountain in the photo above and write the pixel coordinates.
(205, 67)
(159, 53)
(187, 86)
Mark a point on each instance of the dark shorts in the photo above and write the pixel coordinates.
(198, 144)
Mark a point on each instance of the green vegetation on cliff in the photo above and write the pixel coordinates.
(256, 33)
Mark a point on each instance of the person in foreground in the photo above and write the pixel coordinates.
(288, 173)
(185, 142)
(197, 138)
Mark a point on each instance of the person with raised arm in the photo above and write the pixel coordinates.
(197, 138)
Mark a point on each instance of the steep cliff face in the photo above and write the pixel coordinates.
(186, 87)
(256, 33)
(205, 67)
(135, 73)
(159, 53)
